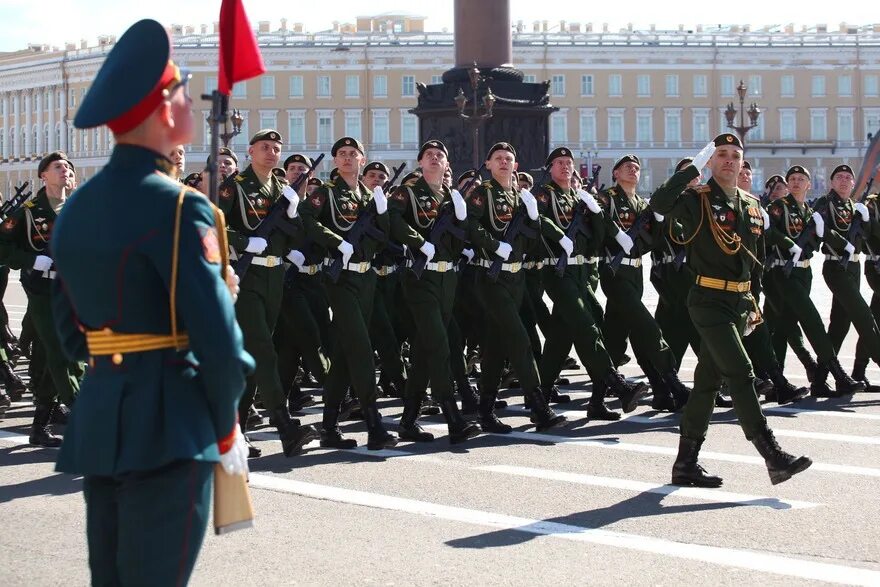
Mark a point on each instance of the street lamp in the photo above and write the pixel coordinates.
(730, 114)
(227, 135)
(476, 117)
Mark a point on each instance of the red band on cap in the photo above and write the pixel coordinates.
(140, 111)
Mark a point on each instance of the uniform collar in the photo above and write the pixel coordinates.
(137, 157)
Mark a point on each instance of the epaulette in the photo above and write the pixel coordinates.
(749, 196)
(29, 204)
(612, 191)
(239, 178)
(411, 181)
(702, 189)
(487, 184)
(330, 184)
(871, 197)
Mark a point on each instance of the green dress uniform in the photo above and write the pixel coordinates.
(383, 334)
(871, 245)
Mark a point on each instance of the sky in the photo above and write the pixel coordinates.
(55, 22)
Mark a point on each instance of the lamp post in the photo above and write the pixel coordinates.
(754, 113)
(227, 135)
(476, 118)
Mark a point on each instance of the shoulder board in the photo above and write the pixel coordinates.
(239, 178)
(411, 181)
(871, 197)
(702, 189)
(487, 183)
(330, 184)
(29, 204)
(751, 199)
(611, 191)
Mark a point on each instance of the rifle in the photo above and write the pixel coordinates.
(578, 224)
(443, 224)
(808, 241)
(275, 218)
(856, 228)
(397, 170)
(12, 205)
(635, 232)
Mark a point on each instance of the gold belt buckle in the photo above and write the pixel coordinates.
(272, 261)
(441, 266)
(515, 267)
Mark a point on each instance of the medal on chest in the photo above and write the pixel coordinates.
(724, 217)
(259, 206)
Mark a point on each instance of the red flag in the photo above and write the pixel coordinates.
(240, 57)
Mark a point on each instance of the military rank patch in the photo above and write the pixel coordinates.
(317, 200)
(399, 195)
(542, 197)
(9, 224)
(210, 245)
(225, 192)
(477, 200)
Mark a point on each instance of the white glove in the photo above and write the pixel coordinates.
(820, 224)
(531, 203)
(42, 263)
(380, 199)
(504, 251)
(588, 199)
(701, 158)
(849, 248)
(347, 251)
(659, 217)
(751, 324)
(469, 253)
(428, 250)
(292, 197)
(297, 258)
(766, 218)
(796, 252)
(566, 245)
(256, 245)
(625, 242)
(234, 461)
(232, 283)
(459, 205)
(863, 210)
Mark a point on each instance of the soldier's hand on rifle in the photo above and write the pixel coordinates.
(347, 251)
(863, 210)
(42, 263)
(566, 245)
(428, 251)
(380, 199)
(459, 205)
(256, 245)
(504, 251)
(701, 158)
(233, 453)
(624, 240)
(850, 249)
(292, 197)
(232, 281)
(530, 202)
(297, 258)
(588, 199)
(820, 224)
(469, 253)
(766, 218)
(796, 252)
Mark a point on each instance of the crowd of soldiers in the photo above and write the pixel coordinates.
(436, 281)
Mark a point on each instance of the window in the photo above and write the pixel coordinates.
(818, 124)
(872, 122)
(529, 79)
(436, 79)
(72, 98)
(643, 86)
(787, 87)
(586, 85)
(325, 127)
(239, 90)
(323, 86)
(672, 86)
(267, 86)
(241, 140)
(268, 120)
(557, 85)
(297, 127)
(408, 86)
(701, 86)
(210, 83)
(757, 133)
(352, 86)
(872, 88)
(672, 133)
(727, 86)
(380, 127)
(844, 86)
(558, 128)
(409, 128)
(701, 125)
(757, 180)
(587, 124)
(615, 85)
(787, 125)
(845, 126)
(645, 178)
(818, 86)
(380, 86)
(755, 84)
(58, 138)
(644, 125)
(353, 124)
(296, 86)
(615, 125)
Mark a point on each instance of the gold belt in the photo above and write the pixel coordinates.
(723, 284)
(106, 342)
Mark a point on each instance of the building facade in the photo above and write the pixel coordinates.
(659, 94)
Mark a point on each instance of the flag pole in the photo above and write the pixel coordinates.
(219, 112)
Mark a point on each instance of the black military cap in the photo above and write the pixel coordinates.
(728, 140)
(772, 181)
(225, 151)
(747, 165)
(267, 134)
(334, 173)
(193, 179)
(557, 153)
(346, 142)
(797, 169)
(526, 177)
(298, 158)
(467, 175)
(683, 163)
(314, 181)
(501, 147)
(121, 100)
(376, 166)
(412, 175)
(432, 144)
(576, 175)
(626, 159)
(51, 158)
(279, 173)
(842, 168)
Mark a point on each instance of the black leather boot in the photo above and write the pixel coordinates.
(722, 398)
(331, 435)
(459, 428)
(409, 428)
(297, 399)
(819, 385)
(661, 397)
(41, 433)
(542, 416)
(377, 437)
(781, 466)
(680, 392)
(628, 393)
(5, 402)
(843, 383)
(596, 409)
(783, 391)
(552, 395)
(488, 420)
(687, 471)
(15, 387)
(858, 374)
(293, 435)
(59, 415)
(809, 363)
(470, 400)
(570, 364)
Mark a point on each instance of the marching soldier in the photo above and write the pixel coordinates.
(723, 227)
(246, 199)
(146, 302)
(227, 163)
(872, 276)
